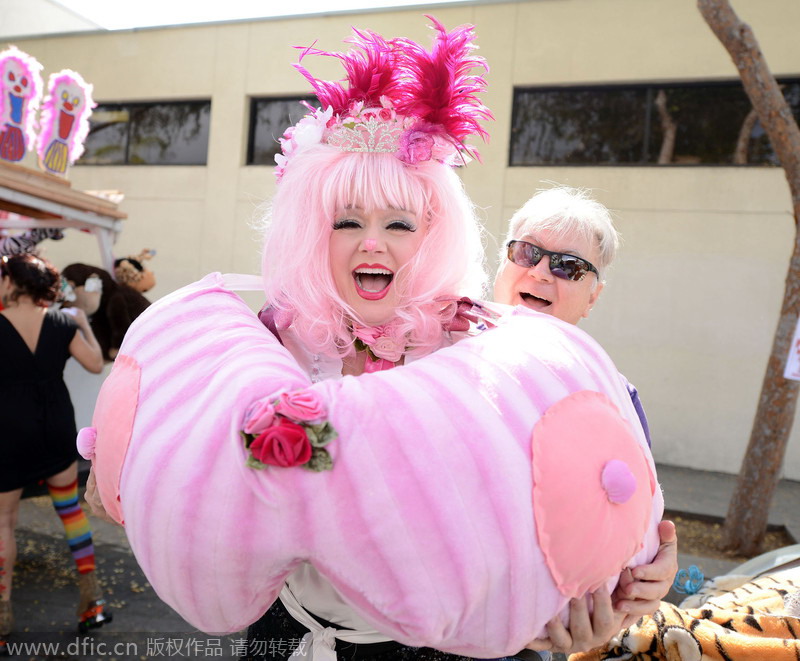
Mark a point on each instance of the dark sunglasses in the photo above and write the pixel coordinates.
(562, 265)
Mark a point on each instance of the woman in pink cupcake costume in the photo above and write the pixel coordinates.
(370, 517)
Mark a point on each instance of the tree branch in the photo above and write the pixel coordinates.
(773, 112)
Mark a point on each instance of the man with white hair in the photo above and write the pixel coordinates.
(553, 260)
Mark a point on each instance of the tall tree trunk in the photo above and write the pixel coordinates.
(748, 512)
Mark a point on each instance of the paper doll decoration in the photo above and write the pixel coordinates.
(20, 92)
(65, 120)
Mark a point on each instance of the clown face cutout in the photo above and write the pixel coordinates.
(20, 90)
(65, 121)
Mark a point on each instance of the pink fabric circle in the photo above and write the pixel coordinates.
(582, 533)
(85, 442)
(113, 419)
(618, 481)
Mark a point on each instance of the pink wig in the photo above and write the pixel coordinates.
(295, 262)
(77, 88)
(13, 60)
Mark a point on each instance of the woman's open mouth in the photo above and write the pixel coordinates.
(372, 281)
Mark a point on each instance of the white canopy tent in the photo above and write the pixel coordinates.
(40, 199)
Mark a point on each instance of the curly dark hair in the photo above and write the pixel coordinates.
(31, 276)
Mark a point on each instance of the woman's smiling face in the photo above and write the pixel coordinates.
(367, 250)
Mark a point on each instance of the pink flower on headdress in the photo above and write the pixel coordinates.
(425, 142)
(355, 109)
(415, 147)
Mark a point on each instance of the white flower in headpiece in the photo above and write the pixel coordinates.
(309, 130)
(306, 133)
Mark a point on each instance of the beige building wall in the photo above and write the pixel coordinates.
(691, 306)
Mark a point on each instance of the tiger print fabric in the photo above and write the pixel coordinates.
(755, 622)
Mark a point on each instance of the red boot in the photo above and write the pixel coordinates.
(93, 612)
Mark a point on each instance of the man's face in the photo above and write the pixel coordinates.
(538, 289)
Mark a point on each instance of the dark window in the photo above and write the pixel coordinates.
(708, 124)
(269, 118)
(168, 133)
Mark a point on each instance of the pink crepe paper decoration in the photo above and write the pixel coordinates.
(52, 110)
(15, 60)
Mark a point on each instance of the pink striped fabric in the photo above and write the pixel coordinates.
(426, 523)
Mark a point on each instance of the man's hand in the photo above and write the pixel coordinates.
(641, 589)
(585, 631)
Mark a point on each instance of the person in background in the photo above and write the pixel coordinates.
(38, 439)
(16, 244)
(557, 249)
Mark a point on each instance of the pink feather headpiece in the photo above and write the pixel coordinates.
(397, 98)
(19, 65)
(79, 99)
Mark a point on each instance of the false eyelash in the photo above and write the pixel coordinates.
(345, 223)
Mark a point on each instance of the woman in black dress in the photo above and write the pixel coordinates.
(38, 421)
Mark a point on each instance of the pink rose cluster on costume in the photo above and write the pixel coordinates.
(302, 406)
(384, 346)
(288, 431)
(283, 444)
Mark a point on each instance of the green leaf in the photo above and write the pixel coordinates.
(321, 434)
(320, 461)
(252, 462)
(248, 439)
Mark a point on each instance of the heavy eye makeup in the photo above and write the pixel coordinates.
(346, 223)
(402, 225)
(396, 224)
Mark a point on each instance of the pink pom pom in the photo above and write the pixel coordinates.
(86, 440)
(618, 481)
